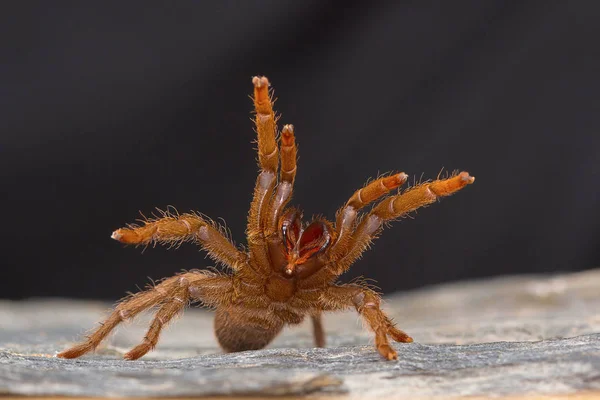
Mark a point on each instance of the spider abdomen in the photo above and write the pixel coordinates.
(237, 329)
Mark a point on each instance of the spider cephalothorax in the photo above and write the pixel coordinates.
(290, 268)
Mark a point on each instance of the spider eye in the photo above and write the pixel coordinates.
(290, 228)
(315, 238)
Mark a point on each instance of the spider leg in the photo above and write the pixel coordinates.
(174, 229)
(394, 207)
(346, 217)
(268, 160)
(142, 301)
(208, 288)
(127, 309)
(397, 334)
(367, 303)
(172, 306)
(318, 331)
(287, 173)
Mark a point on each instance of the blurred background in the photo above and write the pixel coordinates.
(112, 108)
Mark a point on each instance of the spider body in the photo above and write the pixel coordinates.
(290, 268)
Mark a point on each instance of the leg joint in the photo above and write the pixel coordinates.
(364, 299)
(124, 315)
(187, 225)
(183, 281)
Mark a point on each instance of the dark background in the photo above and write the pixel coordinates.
(110, 108)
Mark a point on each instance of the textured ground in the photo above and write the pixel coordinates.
(510, 336)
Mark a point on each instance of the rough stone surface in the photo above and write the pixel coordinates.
(504, 336)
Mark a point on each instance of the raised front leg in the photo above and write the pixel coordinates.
(268, 161)
(367, 303)
(346, 217)
(287, 173)
(174, 229)
(394, 207)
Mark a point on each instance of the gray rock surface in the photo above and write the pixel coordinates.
(503, 336)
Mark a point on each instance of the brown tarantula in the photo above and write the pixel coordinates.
(289, 269)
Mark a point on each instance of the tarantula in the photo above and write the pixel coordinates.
(290, 267)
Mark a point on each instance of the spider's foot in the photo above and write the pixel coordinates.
(446, 187)
(138, 351)
(261, 93)
(387, 352)
(260, 82)
(399, 336)
(75, 351)
(125, 236)
(394, 181)
(116, 235)
(465, 177)
(287, 135)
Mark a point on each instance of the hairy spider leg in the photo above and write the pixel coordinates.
(174, 229)
(288, 150)
(209, 288)
(283, 194)
(367, 303)
(171, 306)
(268, 161)
(346, 217)
(394, 207)
(287, 174)
(318, 330)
